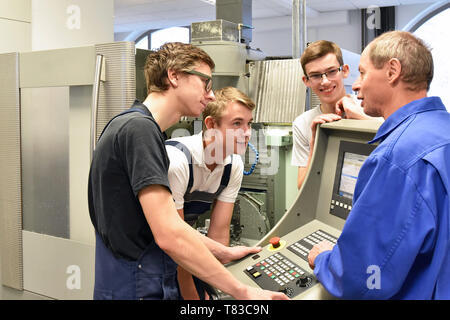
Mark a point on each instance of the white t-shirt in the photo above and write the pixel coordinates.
(301, 130)
(204, 179)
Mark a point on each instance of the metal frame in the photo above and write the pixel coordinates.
(10, 172)
(430, 12)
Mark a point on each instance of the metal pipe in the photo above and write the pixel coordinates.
(298, 28)
(95, 98)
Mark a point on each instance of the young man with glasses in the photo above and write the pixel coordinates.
(206, 172)
(324, 72)
(140, 237)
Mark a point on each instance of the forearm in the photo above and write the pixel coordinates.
(301, 176)
(187, 248)
(221, 235)
(183, 244)
(215, 246)
(187, 285)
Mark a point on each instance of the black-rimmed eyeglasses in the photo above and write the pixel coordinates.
(208, 82)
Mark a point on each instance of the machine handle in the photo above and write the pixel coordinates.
(95, 97)
(253, 199)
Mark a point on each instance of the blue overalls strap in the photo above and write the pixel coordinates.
(137, 107)
(225, 176)
(188, 155)
(202, 196)
(198, 202)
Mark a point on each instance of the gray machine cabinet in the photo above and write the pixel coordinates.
(46, 107)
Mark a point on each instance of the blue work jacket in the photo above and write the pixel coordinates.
(395, 243)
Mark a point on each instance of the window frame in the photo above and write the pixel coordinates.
(148, 33)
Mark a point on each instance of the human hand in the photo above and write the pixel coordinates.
(323, 118)
(253, 293)
(318, 249)
(237, 252)
(348, 108)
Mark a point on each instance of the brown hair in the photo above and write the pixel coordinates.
(172, 55)
(224, 96)
(319, 49)
(413, 54)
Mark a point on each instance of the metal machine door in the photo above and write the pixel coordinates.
(56, 241)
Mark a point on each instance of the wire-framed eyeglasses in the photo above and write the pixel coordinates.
(330, 75)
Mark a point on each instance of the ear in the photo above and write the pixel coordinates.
(172, 77)
(345, 70)
(306, 82)
(394, 69)
(209, 122)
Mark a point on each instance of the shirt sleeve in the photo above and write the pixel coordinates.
(382, 237)
(141, 148)
(300, 149)
(230, 193)
(178, 175)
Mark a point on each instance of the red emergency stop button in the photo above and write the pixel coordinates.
(275, 242)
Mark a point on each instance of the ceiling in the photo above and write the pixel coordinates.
(134, 15)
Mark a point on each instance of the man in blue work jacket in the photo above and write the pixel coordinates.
(395, 242)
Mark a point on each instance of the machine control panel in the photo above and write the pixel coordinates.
(304, 245)
(278, 273)
(319, 213)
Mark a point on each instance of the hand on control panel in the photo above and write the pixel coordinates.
(318, 249)
(260, 294)
(235, 253)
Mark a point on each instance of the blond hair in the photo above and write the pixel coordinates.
(319, 49)
(215, 109)
(414, 55)
(172, 55)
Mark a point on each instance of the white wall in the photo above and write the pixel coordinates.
(274, 36)
(15, 25)
(27, 25)
(68, 23)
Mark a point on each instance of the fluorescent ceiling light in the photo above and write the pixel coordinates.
(212, 2)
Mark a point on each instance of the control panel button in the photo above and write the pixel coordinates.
(275, 242)
(302, 247)
(303, 281)
(280, 274)
(250, 269)
(287, 291)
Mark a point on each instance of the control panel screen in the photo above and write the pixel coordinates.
(350, 169)
(351, 158)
